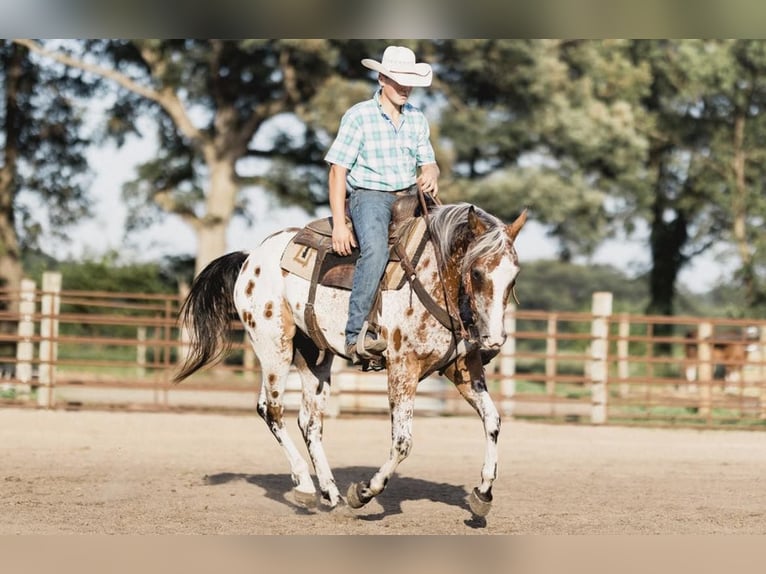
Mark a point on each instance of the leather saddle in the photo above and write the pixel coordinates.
(310, 255)
(310, 252)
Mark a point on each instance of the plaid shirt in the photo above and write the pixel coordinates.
(378, 155)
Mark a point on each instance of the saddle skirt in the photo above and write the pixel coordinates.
(312, 246)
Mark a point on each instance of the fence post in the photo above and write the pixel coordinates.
(248, 360)
(705, 367)
(623, 366)
(26, 330)
(141, 352)
(49, 327)
(550, 356)
(507, 364)
(339, 373)
(601, 310)
(762, 369)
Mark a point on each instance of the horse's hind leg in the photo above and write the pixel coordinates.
(315, 378)
(275, 363)
(468, 376)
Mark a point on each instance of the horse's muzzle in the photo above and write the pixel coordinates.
(493, 343)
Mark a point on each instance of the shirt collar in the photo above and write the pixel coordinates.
(376, 96)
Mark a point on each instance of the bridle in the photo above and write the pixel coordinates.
(469, 338)
(465, 335)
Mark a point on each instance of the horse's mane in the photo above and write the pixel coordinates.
(449, 222)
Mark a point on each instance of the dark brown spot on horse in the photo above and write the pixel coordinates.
(274, 414)
(250, 287)
(247, 319)
(268, 311)
(397, 338)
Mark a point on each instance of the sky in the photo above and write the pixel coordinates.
(106, 231)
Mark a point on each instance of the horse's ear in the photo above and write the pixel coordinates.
(514, 228)
(475, 224)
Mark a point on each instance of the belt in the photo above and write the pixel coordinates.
(403, 191)
(406, 190)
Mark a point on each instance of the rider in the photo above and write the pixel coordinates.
(380, 145)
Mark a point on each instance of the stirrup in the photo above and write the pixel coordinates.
(361, 348)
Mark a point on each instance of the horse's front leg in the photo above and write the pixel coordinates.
(401, 396)
(467, 373)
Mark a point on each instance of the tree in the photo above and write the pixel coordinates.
(210, 99)
(601, 135)
(551, 124)
(734, 158)
(706, 156)
(42, 154)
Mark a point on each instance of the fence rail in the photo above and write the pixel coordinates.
(101, 350)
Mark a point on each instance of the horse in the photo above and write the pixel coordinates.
(729, 353)
(454, 325)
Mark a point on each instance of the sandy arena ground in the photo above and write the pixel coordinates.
(129, 473)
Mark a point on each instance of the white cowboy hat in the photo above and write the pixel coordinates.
(399, 65)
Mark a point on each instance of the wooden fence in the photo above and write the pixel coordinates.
(98, 350)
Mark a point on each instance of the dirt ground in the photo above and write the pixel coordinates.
(137, 473)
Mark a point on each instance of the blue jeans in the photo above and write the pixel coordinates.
(371, 216)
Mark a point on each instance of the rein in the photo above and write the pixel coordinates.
(450, 313)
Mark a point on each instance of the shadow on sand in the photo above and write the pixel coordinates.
(278, 487)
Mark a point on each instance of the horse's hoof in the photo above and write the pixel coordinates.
(353, 498)
(307, 500)
(342, 510)
(480, 503)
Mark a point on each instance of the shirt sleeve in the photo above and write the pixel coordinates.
(348, 143)
(425, 153)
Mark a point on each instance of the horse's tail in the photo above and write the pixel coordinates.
(207, 312)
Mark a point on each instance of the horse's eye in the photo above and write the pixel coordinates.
(510, 293)
(476, 274)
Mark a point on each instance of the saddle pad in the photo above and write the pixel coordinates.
(300, 259)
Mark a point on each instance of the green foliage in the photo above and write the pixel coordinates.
(550, 285)
(594, 136)
(107, 273)
(44, 175)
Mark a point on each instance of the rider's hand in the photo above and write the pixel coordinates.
(428, 180)
(343, 240)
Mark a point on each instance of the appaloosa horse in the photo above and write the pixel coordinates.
(468, 270)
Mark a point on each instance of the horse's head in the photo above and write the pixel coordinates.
(488, 275)
(481, 267)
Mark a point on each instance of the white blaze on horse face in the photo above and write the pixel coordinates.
(501, 277)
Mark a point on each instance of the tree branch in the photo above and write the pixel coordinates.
(166, 97)
(123, 80)
(165, 201)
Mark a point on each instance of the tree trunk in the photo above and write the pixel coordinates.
(669, 233)
(220, 203)
(10, 256)
(667, 238)
(739, 211)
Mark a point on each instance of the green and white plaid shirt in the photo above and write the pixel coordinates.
(378, 155)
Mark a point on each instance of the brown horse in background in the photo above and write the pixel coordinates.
(728, 354)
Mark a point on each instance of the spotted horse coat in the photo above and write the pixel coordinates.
(469, 269)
